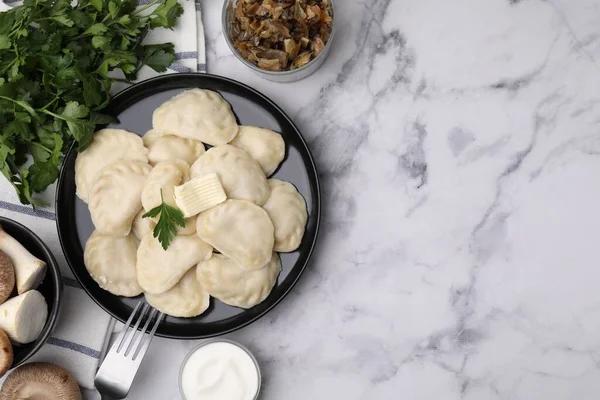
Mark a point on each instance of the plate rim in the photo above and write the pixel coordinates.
(311, 166)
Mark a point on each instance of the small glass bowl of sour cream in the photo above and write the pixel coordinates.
(219, 369)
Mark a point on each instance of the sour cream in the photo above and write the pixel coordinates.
(220, 370)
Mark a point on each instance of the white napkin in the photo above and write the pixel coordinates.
(83, 328)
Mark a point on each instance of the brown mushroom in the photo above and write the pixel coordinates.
(7, 277)
(6, 353)
(42, 381)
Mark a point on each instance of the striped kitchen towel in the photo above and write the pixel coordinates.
(83, 329)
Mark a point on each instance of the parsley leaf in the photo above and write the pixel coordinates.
(165, 15)
(97, 4)
(95, 29)
(4, 42)
(169, 218)
(42, 174)
(73, 111)
(63, 20)
(159, 56)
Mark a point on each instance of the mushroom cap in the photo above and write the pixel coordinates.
(7, 277)
(6, 353)
(40, 381)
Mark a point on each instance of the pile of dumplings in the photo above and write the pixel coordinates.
(228, 251)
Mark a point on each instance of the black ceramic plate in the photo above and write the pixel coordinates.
(50, 288)
(133, 107)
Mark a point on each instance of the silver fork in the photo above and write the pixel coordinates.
(117, 371)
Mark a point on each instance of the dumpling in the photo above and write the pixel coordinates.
(186, 299)
(115, 196)
(263, 145)
(141, 226)
(240, 175)
(287, 210)
(169, 147)
(225, 280)
(110, 261)
(159, 270)
(165, 176)
(197, 114)
(190, 226)
(108, 146)
(240, 230)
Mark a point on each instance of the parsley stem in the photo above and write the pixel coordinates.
(50, 103)
(141, 9)
(58, 116)
(41, 146)
(21, 104)
(52, 114)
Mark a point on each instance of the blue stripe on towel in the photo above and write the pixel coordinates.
(201, 67)
(74, 346)
(179, 68)
(27, 210)
(186, 55)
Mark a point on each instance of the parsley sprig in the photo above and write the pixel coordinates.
(56, 59)
(169, 218)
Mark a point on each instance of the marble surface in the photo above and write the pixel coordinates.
(458, 145)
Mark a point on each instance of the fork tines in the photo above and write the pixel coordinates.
(117, 371)
(131, 339)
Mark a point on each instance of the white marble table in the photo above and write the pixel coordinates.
(459, 150)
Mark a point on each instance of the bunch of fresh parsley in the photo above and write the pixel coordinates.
(55, 59)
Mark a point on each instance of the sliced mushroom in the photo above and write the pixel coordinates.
(292, 48)
(29, 270)
(302, 59)
(6, 353)
(304, 42)
(23, 317)
(279, 55)
(40, 380)
(269, 65)
(317, 46)
(7, 277)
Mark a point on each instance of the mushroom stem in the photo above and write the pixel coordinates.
(29, 270)
(23, 317)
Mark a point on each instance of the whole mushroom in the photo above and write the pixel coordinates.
(7, 277)
(40, 381)
(6, 353)
(29, 270)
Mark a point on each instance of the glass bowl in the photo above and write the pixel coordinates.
(277, 76)
(211, 341)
